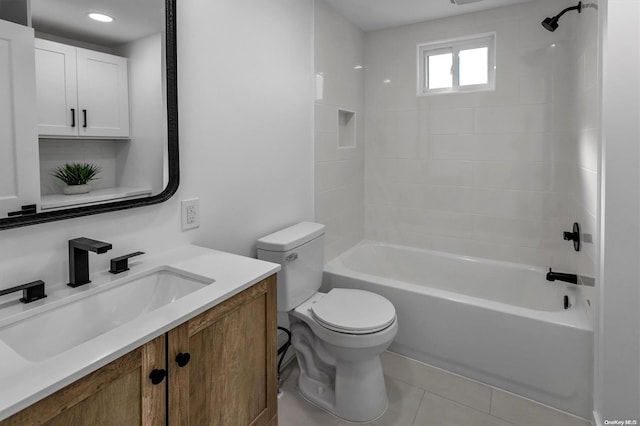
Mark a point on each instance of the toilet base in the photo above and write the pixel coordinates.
(351, 388)
(358, 395)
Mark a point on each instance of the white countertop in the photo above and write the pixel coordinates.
(22, 382)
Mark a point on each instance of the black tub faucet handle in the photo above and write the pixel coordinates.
(573, 236)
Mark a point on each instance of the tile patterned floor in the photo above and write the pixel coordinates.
(421, 395)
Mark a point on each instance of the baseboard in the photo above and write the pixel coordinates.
(596, 419)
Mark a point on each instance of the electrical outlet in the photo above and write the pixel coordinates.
(190, 213)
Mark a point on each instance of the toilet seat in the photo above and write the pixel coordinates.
(353, 311)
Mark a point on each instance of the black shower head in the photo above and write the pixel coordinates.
(551, 24)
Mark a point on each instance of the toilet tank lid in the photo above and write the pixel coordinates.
(291, 237)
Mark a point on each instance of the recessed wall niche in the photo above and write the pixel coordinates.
(346, 128)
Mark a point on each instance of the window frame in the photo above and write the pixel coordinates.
(455, 45)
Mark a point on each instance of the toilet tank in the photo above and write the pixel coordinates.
(300, 251)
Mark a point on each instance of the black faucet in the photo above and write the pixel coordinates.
(79, 249)
(560, 276)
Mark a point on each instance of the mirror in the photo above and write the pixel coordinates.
(133, 144)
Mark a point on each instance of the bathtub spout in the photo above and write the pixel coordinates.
(560, 276)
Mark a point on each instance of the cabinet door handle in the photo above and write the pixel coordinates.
(157, 376)
(84, 114)
(73, 117)
(182, 359)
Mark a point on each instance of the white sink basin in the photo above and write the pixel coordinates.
(56, 330)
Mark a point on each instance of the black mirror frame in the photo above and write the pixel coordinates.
(172, 142)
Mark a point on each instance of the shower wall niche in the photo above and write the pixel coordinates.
(346, 129)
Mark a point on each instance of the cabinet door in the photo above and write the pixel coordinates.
(119, 393)
(103, 94)
(231, 375)
(56, 89)
(19, 164)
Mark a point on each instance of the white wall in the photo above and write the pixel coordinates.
(480, 174)
(617, 380)
(339, 172)
(140, 160)
(246, 111)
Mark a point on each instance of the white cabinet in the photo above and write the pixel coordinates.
(103, 94)
(80, 92)
(19, 165)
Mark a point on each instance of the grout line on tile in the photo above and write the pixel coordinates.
(539, 404)
(490, 387)
(466, 406)
(415, 416)
(490, 400)
(426, 391)
(439, 369)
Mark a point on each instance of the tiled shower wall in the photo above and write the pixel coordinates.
(339, 172)
(482, 174)
(584, 159)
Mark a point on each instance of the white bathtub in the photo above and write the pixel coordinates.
(497, 322)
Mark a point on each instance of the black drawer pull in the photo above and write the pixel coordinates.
(183, 359)
(157, 376)
(84, 113)
(73, 117)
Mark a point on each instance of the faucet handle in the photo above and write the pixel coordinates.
(573, 236)
(121, 264)
(30, 292)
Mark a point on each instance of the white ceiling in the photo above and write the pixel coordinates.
(133, 19)
(372, 15)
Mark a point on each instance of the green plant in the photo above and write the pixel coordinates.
(77, 173)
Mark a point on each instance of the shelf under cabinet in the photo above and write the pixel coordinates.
(98, 196)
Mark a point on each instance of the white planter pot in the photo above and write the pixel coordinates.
(76, 189)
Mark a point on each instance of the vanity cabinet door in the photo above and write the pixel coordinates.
(19, 163)
(56, 89)
(120, 393)
(230, 377)
(103, 95)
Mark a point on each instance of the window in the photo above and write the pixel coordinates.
(459, 65)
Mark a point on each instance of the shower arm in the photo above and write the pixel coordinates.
(577, 7)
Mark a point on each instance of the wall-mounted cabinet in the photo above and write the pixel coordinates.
(19, 173)
(80, 92)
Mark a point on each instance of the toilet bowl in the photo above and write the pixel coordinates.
(338, 336)
(340, 371)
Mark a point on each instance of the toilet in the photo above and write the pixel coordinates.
(338, 336)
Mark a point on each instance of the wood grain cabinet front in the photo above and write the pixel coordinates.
(218, 368)
(120, 393)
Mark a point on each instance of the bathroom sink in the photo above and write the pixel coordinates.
(56, 330)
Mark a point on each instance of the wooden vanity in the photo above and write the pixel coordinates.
(228, 377)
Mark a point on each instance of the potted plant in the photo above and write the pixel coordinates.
(76, 176)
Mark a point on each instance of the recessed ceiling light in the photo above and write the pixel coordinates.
(100, 17)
